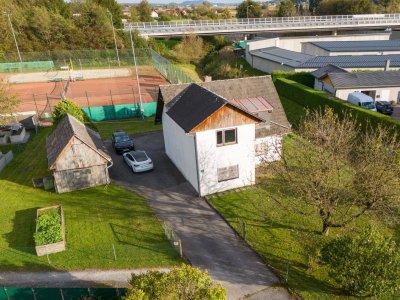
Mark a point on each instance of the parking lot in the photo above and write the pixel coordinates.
(207, 240)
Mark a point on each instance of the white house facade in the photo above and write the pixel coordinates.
(217, 143)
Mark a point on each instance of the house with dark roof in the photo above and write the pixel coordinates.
(76, 156)
(380, 86)
(217, 132)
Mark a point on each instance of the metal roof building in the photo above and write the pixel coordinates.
(274, 58)
(333, 48)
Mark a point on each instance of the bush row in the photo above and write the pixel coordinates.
(301, 77)
(312, 99)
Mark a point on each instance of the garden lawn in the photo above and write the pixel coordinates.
(131, 126)
(288, 241)
(96, 219)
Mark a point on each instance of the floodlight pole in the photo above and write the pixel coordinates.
(136, 71)
(247, 10)
(15, 39)
(115, 40)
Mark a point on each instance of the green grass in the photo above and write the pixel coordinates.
(190, 70)
(169, 43)
(131, 126)
(287, 240)
(96, 219)
(247, 69)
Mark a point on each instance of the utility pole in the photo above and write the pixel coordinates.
(136, 71)
(115, 40)
(15, 39)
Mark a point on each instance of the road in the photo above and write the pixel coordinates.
(208, 242)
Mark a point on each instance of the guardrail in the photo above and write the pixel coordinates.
(263, 24)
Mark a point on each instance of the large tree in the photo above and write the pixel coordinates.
(339, 171)
(8, 104)
(251, 7)
(184, 283)
(343, 7)
(286, 9)
(115, 9)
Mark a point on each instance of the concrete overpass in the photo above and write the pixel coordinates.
(257, 25)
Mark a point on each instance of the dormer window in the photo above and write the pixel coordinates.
(226, 137)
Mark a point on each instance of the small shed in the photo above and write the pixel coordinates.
(76, 155)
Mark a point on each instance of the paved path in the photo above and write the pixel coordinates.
(208, 242)
(87, 278)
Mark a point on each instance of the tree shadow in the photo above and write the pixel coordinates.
(21, 237)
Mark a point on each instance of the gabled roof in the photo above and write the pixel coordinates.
(240, 88)
(358, 46)
(68, 128)
(282, 56)
(324, 71)
(195, 104)
(365, 79)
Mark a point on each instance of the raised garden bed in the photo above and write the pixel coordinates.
(50, 230)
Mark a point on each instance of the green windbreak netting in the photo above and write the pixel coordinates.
(27, 66)
(120, 111)
(60, 294)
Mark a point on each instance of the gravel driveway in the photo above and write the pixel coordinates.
(208, 242)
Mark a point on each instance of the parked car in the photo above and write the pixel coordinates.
(360, 99)
(384, 107)
(138, 161)
(122, 142)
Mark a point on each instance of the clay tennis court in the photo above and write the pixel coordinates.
(42, 96)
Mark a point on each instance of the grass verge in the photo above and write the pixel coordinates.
(131, 126)
(96, 220)
(190, 70)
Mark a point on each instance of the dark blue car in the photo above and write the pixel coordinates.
(122, 142)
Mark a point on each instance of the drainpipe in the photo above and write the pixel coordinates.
(387, 65)
(108, 177)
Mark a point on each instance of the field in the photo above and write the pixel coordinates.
(109, 90)
(97, 220)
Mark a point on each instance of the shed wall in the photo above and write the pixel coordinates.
(78, 179)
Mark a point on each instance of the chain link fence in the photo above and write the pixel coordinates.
(172, 73)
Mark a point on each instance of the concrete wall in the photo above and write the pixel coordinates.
(382, 94)
(180, 148)
(211, 157)
(268, 66)
(77, 179)
(5, 159)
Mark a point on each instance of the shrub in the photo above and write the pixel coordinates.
(49, 229)
(182, 283)
(317, 100)
(301, 77)
(65, 107)
(365, 265)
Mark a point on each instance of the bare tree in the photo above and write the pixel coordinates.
(8, 104)
(339, 171)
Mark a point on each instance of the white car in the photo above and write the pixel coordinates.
(138, 161)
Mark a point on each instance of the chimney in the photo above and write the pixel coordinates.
(207, 78)
(387, 65)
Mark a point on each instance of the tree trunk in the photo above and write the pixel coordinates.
(326, 221)
(325, 228)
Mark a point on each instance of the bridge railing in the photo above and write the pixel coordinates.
(360, 19)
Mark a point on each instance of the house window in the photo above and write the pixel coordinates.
(228, 173)
(226, 137)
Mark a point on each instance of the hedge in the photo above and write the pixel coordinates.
(302, 77)
(312, 99)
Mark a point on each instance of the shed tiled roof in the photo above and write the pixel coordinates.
(365, 79)
(241, 88)
(68, 128)
(324, 71)
(282, 56)
(359, 46)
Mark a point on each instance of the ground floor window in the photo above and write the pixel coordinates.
(228, 173)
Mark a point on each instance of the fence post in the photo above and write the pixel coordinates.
(34, 101)
(112, 103)
(87, 100)
(5, 292)
(115, 254)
